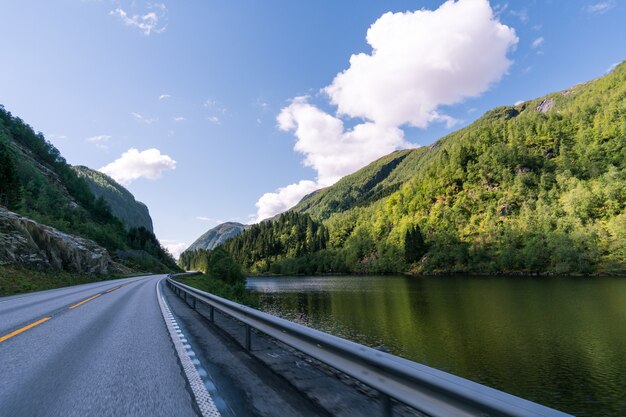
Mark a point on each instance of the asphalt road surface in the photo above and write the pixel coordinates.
(98, 349)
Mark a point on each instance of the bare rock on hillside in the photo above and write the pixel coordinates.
(26, 243)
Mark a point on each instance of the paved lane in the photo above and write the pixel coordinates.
(17, 309)
(111, 355)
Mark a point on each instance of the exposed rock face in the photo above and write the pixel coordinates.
(546, 105)
(218, 235)
(26, 243)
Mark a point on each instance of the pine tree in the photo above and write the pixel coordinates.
(414, 245)
(10, 186)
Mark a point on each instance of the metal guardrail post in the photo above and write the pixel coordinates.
(385, 405)
(248, 337)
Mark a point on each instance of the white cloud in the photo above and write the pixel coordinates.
(54, 137)
(538, 42)
(143, 119)
(132, 165)
(420, 61)
(215, 106)
(98, 138)
(148, 23)
(600, 8)
(174, 247)
(179, 119)
(216, 109)
(164, 96)
(99, 141)
(517, 103)
(329, 148)
(203, 219)
(522, 14)
(283, 199)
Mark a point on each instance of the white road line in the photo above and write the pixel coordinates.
(203, 398)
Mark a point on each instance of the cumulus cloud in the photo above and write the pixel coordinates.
(419, 62)
(132, 165)
(164, 96)
(538, 42)
(422, 60)
(179, 119)
(283, 199)
(600, 8)
(331, 149)
(148, 23)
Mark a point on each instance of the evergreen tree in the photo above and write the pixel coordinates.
(414, 245)
(10, 185)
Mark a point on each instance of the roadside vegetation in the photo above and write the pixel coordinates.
(221, 276)
(14, 280)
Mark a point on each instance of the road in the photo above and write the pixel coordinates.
(129, 347)
(89, 350)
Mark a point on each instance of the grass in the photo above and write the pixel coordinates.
(220, 288)
(14, 280)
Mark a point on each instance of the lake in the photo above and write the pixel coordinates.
(560, 342)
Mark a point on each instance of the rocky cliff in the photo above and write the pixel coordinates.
(26, 243)
(217, 235)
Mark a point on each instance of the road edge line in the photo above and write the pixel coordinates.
(202, 396)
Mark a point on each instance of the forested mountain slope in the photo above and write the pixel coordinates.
(36, 182)
(535, 188)
(123, 205)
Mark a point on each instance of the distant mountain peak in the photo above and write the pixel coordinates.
(217, 235)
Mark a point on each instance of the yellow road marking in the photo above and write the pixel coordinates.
(113, 289)
(23, 329)
(84, 301)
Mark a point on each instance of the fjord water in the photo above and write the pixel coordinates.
(560, 342)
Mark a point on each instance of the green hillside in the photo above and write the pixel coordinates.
(123, 205)
(36, 181)
(535, 188)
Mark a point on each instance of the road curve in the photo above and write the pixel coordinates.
(93, 349)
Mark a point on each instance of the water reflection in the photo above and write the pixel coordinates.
(560, 342)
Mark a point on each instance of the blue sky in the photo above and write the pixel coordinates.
(201, 103)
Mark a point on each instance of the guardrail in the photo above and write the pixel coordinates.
(428, 390)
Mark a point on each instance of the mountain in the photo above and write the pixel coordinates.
(123, 205)
(38, 185)
(217, 235)
(535, 188)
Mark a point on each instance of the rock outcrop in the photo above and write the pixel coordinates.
(218, 235)
(546, 105)
(26, 243)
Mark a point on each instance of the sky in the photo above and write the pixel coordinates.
(211, 111)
